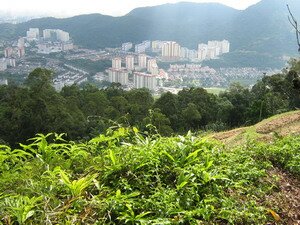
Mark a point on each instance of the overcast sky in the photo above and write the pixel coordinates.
(64, 8)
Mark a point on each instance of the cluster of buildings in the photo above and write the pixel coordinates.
(69, 78)
(12, 53)
(142, 47)
(145, 72)
(172, 51)
(213, 49)
(52, 40)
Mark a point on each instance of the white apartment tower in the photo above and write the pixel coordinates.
(130, 62)
(57, 35)
(21, 43)
(8, 52)
(126, 46)
(48, 33)
(225, 46)
(152, 66)
(62, 36)
(202, 54)
(171, 50)
(156, 46)
(33, 34)
(21, 52)
(116, 63)
(3, 64)
(142, 61)
(144, 80)
(118, 76)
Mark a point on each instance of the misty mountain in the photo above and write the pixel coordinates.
(260, 28)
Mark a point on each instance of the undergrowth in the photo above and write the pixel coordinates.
(127, 177)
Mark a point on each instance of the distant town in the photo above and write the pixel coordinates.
(157, 65)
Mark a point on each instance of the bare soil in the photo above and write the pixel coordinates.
(287, 199)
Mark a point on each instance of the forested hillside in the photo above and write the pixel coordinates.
(84, 113)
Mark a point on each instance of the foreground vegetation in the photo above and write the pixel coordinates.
(129, 177)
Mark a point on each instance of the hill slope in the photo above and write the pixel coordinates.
(277, 126)
(128, 177)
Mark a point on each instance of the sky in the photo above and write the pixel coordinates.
(65, 8)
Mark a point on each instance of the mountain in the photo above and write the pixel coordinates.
(165, 22)
(262, 28)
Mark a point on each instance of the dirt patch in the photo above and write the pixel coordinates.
(228, 134)
(267, 138)
(286, 202)
(275, 124)
(292, 129)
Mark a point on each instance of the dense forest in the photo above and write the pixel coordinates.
(83, 113)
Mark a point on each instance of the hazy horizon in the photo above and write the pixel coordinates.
(68, 8)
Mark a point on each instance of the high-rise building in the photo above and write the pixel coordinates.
(211, 53)
(21, 52)
(117, 63)
(143, 47)
(144, 80)
(157, 46)
(3, 64)
(62, 36)
(147, 44)
(49, 34)
(225, 46)
(202, 51)
(152, 66)
(10, 62)
(130, 62)
(140, 48)
(8, 52)
(214, 46)
(56, 35)
(126, 46)
(118, 76)
(33, 34)
(171, 51)
(192, 54)
(21, 43)
(142, 61)
(184, 52)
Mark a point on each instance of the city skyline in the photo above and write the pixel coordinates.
(113, 7)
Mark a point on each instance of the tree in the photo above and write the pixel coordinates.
(294, 23)
(191, 116)
(240, 98)
(168, 105)
(39, 79)
(160, 121)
